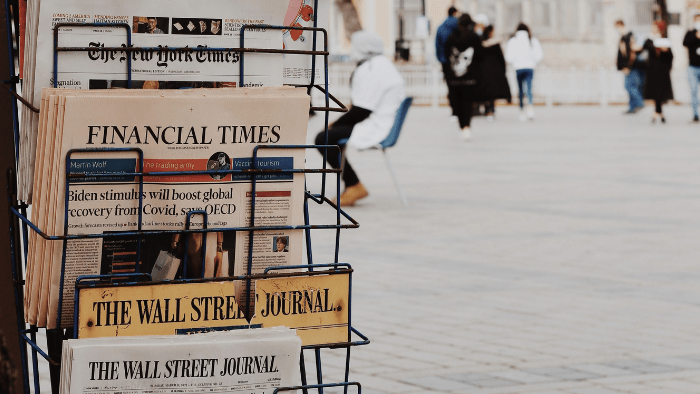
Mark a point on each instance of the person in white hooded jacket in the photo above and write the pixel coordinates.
(524, 52)
(377, 90)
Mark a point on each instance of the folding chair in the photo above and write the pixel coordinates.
(388, 142)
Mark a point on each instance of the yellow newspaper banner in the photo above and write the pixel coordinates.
(316, 306)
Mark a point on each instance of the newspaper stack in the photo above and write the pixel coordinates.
(177, 130)
(157, 24)
(246, 361)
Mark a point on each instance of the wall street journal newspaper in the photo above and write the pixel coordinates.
(241, 361)
(177, 130)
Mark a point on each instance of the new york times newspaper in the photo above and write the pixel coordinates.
(159, 26)
(209, 129)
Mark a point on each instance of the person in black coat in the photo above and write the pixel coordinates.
(465, 53)
(658, 79)
(493, 84)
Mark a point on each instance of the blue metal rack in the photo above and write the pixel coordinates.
(20, 225)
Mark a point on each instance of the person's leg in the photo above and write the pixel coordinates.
(464, 104)
(520, 76)
(336, 134)
(694, 82)
(638, 88)
(629, 87)
(490, 108)
(529, 75)
(450, 89)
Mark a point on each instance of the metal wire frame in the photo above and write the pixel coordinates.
(18, 209)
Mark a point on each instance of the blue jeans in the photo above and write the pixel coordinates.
(634, 84)
(524, 77)
(694, 81)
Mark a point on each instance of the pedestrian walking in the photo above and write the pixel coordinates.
(376, 90)
(692, 42)
(493, 84)
(658, 74)
(443, 33)
(524, 52)
(465, 51)
(632, 62)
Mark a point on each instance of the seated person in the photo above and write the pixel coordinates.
(377, 90)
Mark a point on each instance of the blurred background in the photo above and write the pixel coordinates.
(578, 38)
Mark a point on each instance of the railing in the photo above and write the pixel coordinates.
(551, 86)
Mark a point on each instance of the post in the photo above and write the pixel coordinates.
(8, 314)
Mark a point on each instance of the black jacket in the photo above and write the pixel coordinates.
(692, 42)
(493, 83)
(629, 58)
(460, 41)
(658, 76)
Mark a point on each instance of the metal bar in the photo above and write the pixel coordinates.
(156, 232)
(54, 339)
(402, 196)
(319, 372)
(20, 98)
(35, 366)
(302, 370)
(309, 266)
(307, 232)
(16, 273)
(206, 280)
(189, 49)
(37, 349)
(320, 387)
(56, 47)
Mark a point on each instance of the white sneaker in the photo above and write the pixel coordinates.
(466, 134)
(489, 118)
(530, 112)
(522, 116)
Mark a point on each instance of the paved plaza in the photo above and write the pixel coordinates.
(555, 256)
(559, 256)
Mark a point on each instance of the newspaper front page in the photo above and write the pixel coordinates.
(244, 361)
(161, 26)
(194, 130)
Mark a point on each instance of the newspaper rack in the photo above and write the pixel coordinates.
(20, 225)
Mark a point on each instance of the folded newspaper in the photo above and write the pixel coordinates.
(158, 26)
(189, 130)
(241, 361)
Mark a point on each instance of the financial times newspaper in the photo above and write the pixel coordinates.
(195, 130)
(228, 362)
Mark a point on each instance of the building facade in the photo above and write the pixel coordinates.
(573, 33)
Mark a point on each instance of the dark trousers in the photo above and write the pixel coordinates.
(336, 134)
(463, 103)
(450, 90)
(658, 105)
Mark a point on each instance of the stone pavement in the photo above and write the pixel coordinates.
(554, 256)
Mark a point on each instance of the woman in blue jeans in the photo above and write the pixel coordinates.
(523, 53)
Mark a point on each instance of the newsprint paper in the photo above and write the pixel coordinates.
(160, 25)
(241, 361)
(177, 130)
